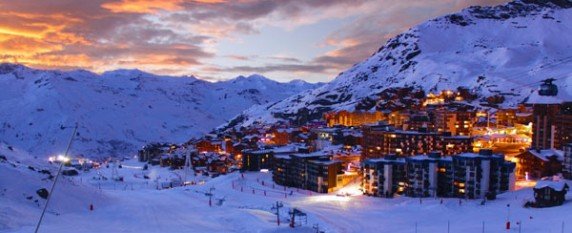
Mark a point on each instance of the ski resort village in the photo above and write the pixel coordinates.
(461, 123)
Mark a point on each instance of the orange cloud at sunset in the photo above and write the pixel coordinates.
(142, 6)
(149, 6)
(216, 38)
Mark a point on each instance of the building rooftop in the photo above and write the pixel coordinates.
(385, 160)
(557, 185)
(545, 154)
(427, 157)
(324, 162)
(309, 155)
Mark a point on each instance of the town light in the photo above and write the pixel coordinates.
(59, 158)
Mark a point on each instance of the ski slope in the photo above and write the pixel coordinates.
(136, 205)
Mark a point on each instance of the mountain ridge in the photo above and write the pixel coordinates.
(499, 53)
(119, 111)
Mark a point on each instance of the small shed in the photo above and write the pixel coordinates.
(550, 192)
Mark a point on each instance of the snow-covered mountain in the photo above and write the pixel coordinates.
(121, 110)
(498, 53)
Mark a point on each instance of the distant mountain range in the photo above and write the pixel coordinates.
(122, 110)
(498, 54)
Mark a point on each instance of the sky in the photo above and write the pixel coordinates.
(312, 40)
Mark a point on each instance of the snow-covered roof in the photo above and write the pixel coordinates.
(556, 185)
(313, 154)
(426, 157)
(385, 160)
(324, 162)
(545, 154)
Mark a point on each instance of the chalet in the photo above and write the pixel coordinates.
(207, 145)
(550, 192)
(281, 136)
(173, 161)
(152, 152)
(351, 137)
(324, 137)
(218, 166)
(539, 163)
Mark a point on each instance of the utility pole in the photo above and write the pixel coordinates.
(292, 216)
(508, 217)
(187, 166)
(277, 207)
(448, 226)
(210, 195)
(488, 120)
(50, 194)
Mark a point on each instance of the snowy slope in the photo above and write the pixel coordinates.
(499, 52)
(119, 111)
(21, 175)
(186, 209)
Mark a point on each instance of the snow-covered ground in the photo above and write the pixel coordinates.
(136, 205)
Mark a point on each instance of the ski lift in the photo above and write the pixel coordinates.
(547, 88)
(297, 217)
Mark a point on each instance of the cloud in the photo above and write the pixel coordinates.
(96, 34)
(142, 6)
(272, 68)
(285, 59)
(181, 36)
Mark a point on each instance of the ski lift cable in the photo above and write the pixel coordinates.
(558, 77)
(50, 194)
(515, 76)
